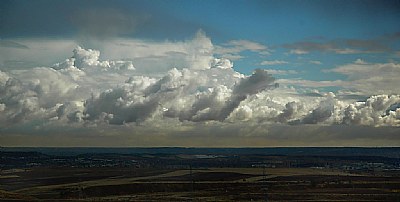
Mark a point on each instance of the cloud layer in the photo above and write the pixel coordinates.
(84, 91)
(346, 46)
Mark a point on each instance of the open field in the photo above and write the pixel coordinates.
(213, 184)
(170, 177)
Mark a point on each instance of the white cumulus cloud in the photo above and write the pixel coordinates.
(88, 89)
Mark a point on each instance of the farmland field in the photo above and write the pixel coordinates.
(185, 182)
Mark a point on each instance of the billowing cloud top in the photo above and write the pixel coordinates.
(85, 91)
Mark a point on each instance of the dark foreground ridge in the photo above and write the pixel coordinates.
(200, 174)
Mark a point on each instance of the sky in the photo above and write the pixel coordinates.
(220, 73)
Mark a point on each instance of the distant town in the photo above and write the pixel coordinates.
(205, 158)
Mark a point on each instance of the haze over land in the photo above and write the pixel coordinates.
(186, 73)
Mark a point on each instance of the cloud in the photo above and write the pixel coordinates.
(374, 45)
(84, 59)
(2, 107)
(331, 46)
(247, 45)
(53, 93)
(221, 63)
(347, 51)
(323, 112)
(367, 77)
(260, 80)
(290, 111)
(12, 44)
(70, 111)
(298, 51)
(34, 94)
(376, 110)
(215, 93)
(117, 107)
(232, 49)
(312, 83)
(41, 53)
(381, 44)
(281, 72)
(361, 69)
(88, 91)
(316, 62)
(148, 57)
(200, 51)
(273, 62)
(211, 92)
(219, 102)
(158, 57)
